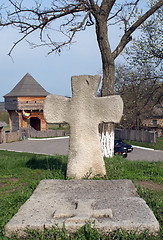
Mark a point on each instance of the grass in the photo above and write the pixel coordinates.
(62, 126)
(121, 168)
(157, 146)
(20, 173)
(4, 117)
(7, 128)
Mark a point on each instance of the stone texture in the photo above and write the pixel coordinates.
(84, 111)
(112, 204)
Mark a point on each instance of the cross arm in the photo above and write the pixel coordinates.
(109, 109)
(55, 109)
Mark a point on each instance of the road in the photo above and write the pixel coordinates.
(146, 154)
(49, 146)
(60, 146)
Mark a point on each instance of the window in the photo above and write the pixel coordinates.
(154, 122)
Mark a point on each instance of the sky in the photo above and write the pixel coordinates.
(52, 71)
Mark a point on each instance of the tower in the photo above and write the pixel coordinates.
(25, 101)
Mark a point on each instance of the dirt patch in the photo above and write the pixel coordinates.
(13, 179)
(6, 181)
(11, 190)
(150, 185)
(2, 185)
(3, 182)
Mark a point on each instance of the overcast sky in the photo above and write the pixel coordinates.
(53, 72)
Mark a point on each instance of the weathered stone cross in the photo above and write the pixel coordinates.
(84, 111)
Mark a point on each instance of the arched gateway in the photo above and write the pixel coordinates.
(25, 101)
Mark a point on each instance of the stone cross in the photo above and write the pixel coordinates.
(80, 211)
(84, 111)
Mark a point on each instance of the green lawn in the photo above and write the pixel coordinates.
(20, 173)
(157, 146)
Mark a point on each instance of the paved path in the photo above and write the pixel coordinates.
(60, 146)
(147, 154)
(49, 146)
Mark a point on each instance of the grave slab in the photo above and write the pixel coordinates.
(111, 204)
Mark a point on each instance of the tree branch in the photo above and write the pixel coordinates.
(136, 3)
(149, 97)
(93, 5)
(106, 6)
(127, 36)
(58, 46)
(45, 16)
(16, 43)
(81, 24)
(116, 14)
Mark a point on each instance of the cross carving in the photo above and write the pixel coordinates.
(84, 111)
(81, 211)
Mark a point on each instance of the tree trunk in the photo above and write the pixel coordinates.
(106, 129)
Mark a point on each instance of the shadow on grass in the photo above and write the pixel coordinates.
(48, 163)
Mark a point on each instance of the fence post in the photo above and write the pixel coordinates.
(4, 137)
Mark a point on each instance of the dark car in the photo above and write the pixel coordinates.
(121, 151)
(120, 143)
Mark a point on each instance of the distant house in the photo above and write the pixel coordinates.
(155, 123)
(2, 124)
(25, 102)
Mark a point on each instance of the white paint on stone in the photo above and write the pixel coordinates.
(83, 112)
(107, 142)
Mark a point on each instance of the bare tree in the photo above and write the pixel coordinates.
(140, 89)
(68, 17)
(148, 48)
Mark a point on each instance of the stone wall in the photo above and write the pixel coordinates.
(12, 137)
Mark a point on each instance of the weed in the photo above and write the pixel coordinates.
(120, 168)
(20, 173)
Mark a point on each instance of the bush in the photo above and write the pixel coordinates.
(4, 117)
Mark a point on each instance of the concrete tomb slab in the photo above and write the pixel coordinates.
(111, 204)
(84, 111)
